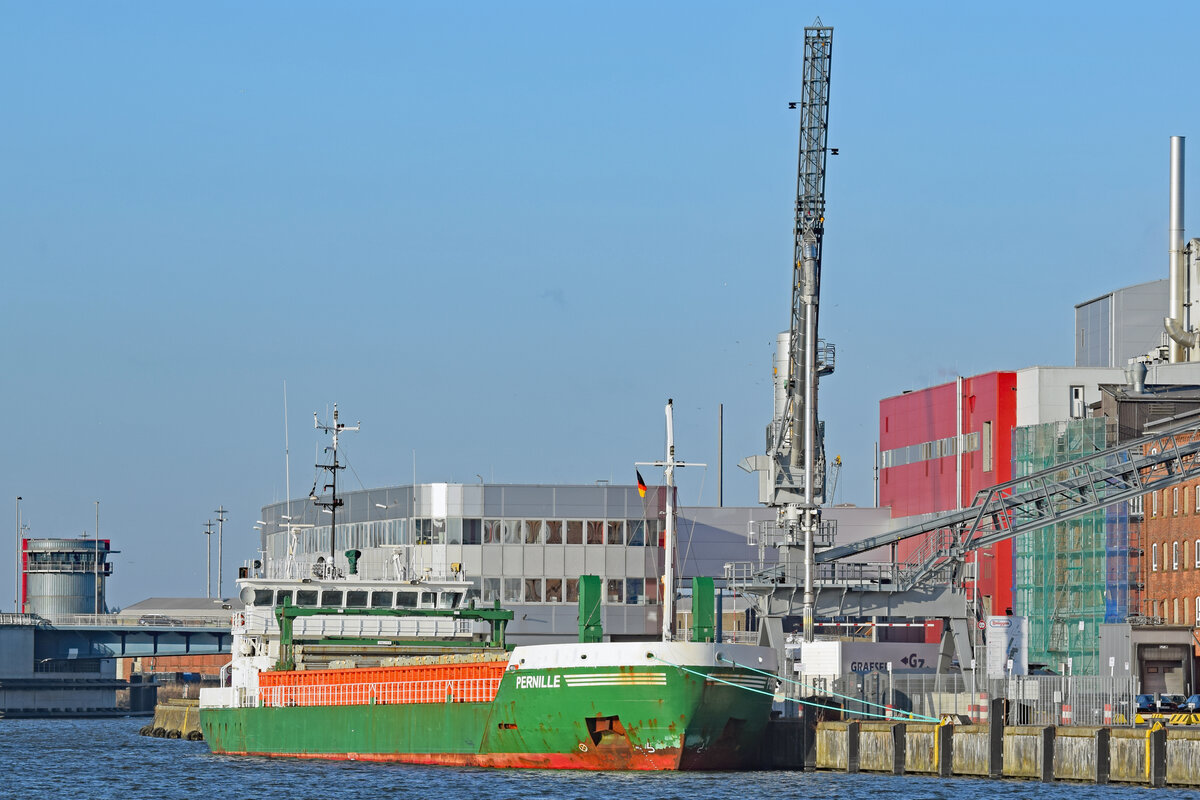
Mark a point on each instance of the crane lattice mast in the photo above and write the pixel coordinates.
(799, 451)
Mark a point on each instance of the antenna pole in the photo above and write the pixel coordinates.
(220, 512)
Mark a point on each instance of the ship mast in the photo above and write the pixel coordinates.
(334, 501)
(669, 465)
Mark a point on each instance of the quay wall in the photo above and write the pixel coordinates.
(879, 745)
(971, 750)
(1080, 755)
(920, 748)
(1153, 757)
(1183, 758)
(1127, 755)
(1025, 751)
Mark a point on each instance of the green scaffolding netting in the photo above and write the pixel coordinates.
(1071, 576)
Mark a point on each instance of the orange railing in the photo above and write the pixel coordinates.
(425, 683)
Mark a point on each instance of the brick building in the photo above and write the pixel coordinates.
(1171, 554)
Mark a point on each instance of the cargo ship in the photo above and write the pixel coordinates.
(341, 667)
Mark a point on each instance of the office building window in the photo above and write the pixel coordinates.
(1174, 555)
(1175, 501)
(1154, 557)
(635, 591)
(491, 590)
(1077, 408)
(533, 590)
(1154, 504)
(987, 447)
(512, 590)
(615, 592)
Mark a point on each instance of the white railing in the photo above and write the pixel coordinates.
(728, 637)
(453, 690)
(143, 621)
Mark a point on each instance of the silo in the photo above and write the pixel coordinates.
(65, 576)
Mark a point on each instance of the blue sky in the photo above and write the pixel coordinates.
(501, 235)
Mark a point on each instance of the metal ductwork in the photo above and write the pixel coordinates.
(1137, 377)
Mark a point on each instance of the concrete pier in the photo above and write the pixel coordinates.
(1153, 757)
(175, 719)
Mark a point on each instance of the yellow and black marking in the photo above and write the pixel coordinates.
(1164, 719)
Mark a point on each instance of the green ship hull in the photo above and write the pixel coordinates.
(655, 715)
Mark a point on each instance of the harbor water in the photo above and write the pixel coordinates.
(106, 758)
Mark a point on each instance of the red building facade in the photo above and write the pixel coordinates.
(922, 470)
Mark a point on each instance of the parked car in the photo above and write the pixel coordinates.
(1192, 704)
(1171, 702)
(1162, 703)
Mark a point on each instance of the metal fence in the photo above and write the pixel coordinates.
(1030, 700)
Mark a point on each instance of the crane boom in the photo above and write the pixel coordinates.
(798, 452)
(792, 472)
(806, 450)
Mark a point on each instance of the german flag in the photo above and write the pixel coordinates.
(641, 484)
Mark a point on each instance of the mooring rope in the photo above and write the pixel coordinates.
(711, 677)
(801, 684)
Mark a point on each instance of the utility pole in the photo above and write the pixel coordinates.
(208, 558)
(220, 538)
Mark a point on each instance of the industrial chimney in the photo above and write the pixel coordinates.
(1185, 342)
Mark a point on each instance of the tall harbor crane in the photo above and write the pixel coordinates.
(792, 474)
(934, 582)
